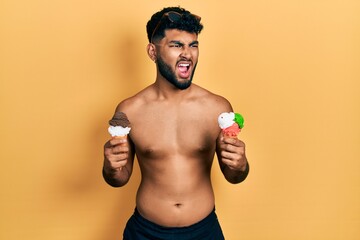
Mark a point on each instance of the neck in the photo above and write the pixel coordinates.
(166, 90)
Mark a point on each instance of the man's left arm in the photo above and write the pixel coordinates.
(232, 158)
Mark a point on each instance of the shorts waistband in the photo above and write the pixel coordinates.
(204, 223)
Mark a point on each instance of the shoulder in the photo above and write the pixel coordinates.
(217, 102)
(134, 103)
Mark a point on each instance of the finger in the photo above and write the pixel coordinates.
(235, 165)
(232, 141)
(120, 164)
(117, 157)
(232, 149)
(117, 152)
(235, 149)
(228, 155)
(109, 145)
(236, 155)
(117, 149)
(231, 164)
(108, 151)
(117, 141)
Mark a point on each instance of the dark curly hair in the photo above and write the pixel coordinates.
(188, 23)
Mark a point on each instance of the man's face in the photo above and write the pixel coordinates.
(177, 57)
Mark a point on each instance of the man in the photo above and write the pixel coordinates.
(174, 135)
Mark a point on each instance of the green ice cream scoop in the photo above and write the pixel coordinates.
(239, 119)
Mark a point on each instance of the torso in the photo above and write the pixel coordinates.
(175, 145)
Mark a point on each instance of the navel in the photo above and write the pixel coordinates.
(178, 205)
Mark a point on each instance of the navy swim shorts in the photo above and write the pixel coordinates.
(139, 228)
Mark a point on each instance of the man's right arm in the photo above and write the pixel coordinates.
(118, 161)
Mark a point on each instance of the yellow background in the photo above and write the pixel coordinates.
(292, 68)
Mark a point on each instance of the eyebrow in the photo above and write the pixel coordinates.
(182, 44)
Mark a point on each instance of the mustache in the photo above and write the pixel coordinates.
(184, 59)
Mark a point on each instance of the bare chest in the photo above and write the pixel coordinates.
(161, 132)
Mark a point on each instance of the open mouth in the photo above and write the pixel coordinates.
(184, 70)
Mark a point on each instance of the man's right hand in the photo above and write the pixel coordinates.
(116, 153)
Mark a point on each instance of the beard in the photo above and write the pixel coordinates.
(166, 71)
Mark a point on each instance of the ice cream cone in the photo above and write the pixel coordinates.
(231, 124)
(121, 137)
(230, 136)
(119, 125)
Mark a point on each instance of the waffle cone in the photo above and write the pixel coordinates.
(121, 137)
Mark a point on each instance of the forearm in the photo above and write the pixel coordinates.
(235, 176)
(116, 177)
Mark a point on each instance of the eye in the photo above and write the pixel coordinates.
(176, 45)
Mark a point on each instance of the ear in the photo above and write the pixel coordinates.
(151, 51)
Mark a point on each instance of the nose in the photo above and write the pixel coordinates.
(186, 52)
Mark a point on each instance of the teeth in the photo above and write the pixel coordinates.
(184, 64)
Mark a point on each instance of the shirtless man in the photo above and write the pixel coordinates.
(175, 136)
